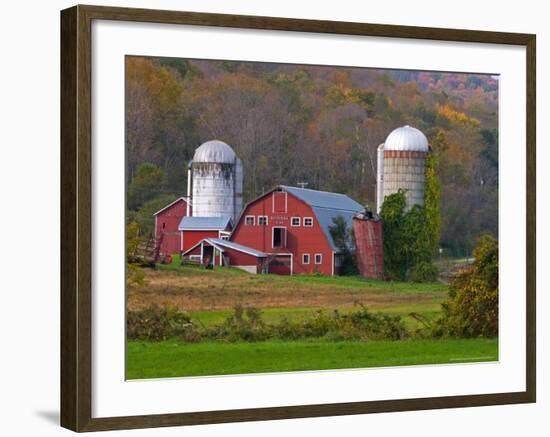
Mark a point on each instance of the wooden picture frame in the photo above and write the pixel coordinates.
(76, 217)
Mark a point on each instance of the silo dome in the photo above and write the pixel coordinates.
(215, 151)
(408, 139)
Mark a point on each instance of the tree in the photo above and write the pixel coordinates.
(145, 185)
(471, 309)
(144, 215)
(343, 238)
(395, 257)
(408, 240)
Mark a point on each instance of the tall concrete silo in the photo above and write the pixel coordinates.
(401, 165)
(216, 175)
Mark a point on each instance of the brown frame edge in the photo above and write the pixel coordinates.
(76, 165)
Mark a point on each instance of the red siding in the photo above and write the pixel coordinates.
(237, 258)
(369, 248)
(300, 240)
(167, 222)
(190, 238)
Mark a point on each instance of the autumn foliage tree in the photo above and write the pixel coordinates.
(471, 309)
(315, 124)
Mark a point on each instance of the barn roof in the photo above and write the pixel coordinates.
(324, 199)
(204, 223)
(327, 206)
(221, 244)
(235, 246)
(179, 199)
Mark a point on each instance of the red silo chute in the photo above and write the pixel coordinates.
(367, 229)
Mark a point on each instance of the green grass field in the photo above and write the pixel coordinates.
(175, 359)
(210, 296)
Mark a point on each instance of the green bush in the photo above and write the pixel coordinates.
(423, 272)
(472, 307)
(160, 323)
(247, 324)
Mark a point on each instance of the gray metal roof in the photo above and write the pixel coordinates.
(327, 206)
(235, 246)
(204, 223)
(324, 199)
(325, 218)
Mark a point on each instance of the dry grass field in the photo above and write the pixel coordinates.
(210, 295)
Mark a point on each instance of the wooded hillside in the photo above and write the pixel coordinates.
(320, 125)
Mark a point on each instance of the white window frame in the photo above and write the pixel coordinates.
(320, 255)
(253, 217)
(292, 222)
(304, 255)
(284, 242)
(308, 218)
(266, 221)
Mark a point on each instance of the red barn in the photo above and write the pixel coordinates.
(292, 226)
(167, 221)
(195, 229)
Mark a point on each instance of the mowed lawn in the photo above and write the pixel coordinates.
(176, 359)
(209, 296)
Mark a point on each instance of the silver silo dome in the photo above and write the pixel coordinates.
(407, 138)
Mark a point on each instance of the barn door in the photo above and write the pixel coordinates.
(279, 202)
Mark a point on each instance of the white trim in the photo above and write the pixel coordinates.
(181, 242)
(171, 204)
(292, 225)
(315, 258)
(188, 200)
(304, 221)
(273, 235)
(266, 220)
(199, 229)
(253, 217)
(308, 259)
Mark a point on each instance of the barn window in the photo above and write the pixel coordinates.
(318, 258)
(305, 258)
(295, 221)
(163, 225)
(262, 220)
(308, 222)
(249, 220)
(279, 237)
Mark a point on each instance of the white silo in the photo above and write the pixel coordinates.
(401, 165)
(217, 181)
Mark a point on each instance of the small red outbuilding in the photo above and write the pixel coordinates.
(167, 221)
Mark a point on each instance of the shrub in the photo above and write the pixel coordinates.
(423, 272)
(160, 323)
(246, 324)
(471, 309)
